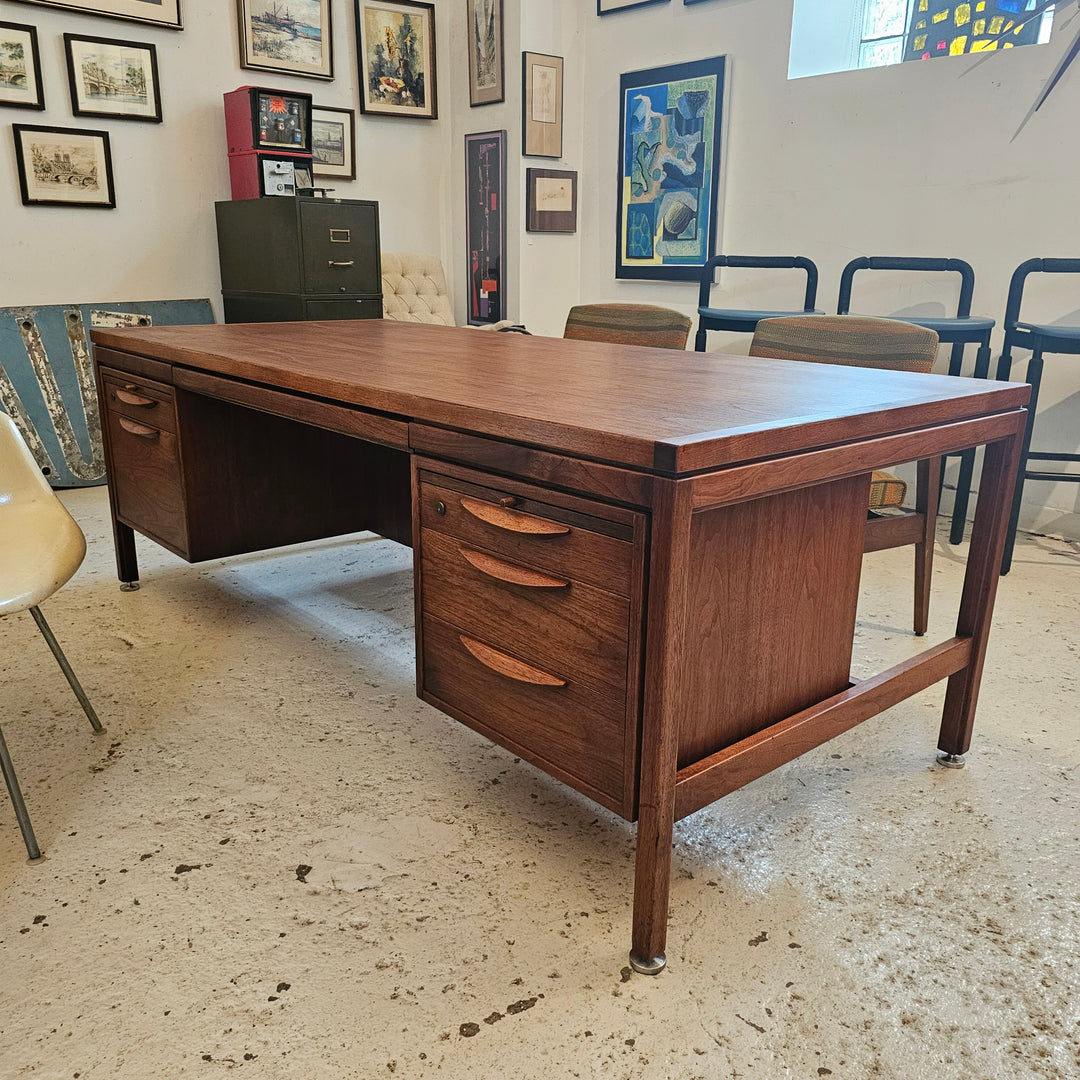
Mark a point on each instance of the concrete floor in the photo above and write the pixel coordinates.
(278, 860)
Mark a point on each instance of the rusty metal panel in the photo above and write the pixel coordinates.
(47, 379)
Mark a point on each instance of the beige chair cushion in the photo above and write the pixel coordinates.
(414, 289)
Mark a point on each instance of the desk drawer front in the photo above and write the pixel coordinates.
(144, 400)
(531, 533)
(541, 713)
(554, 621)
(144, 473)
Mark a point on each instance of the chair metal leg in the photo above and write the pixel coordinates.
(21, 815)
(700, 339)
(1034, 377)
(65, 667)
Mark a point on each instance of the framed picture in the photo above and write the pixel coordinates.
(551, 200)
(395, 44)
(20, 67)
(485, 225)
(609, 7)
(290, 36)
(333, 142)
(485, 32)
(113, 78)
(156, 12)
(670, 122)
(541, 105)
(63, 166)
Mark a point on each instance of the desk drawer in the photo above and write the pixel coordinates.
(144, 474)
(530, 532)
(144, 400)
(550, 620)
(543, 714)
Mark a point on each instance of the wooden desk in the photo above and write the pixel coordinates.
(637, 569)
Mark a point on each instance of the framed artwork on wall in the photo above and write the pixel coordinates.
(670, 121)
(551, 200)
(113, 78)
(20, 67)
(395, 45)
(486, 84)
(63, 166)
(156, 12)
(333, 142)
(485, 226)
(541, 105)
(294, 37)
(609, 7)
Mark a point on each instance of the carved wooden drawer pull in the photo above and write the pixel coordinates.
(512, 520)
(129, 398)
(508, 665)
(515, 575)
(141, 430)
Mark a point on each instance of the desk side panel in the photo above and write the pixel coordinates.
(773, 593)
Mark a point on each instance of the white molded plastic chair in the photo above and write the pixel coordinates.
(41, 546)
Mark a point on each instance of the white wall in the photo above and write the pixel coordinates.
(159, 242)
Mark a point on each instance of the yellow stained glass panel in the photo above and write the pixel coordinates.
(920, 41)
(958, 45)
(962, 14)
(996, 23)
(924, 4)
(981, 5)
(941, 16)
(989, 45)
(978, 27)
(921, 24)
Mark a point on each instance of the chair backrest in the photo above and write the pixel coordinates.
(760, 262)
(21, 479)
(628, 324)
(414, 289)
(926, 266)
(1020, 276)
(847, 339)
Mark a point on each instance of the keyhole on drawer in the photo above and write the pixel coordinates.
(440, 508)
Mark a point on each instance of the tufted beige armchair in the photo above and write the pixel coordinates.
(414, 289)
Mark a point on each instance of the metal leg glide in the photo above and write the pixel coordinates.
(951, 761)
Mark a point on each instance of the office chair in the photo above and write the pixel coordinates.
(878, 343)
(41, 546)
(628, 324)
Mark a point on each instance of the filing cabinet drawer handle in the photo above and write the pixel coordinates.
(512, 520)
(351, 262)
(141, 430)
(511, 573)
(129, 398)
(509, 666)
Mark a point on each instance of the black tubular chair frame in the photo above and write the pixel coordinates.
(1038, 339)
(740, 322)
(958, 335)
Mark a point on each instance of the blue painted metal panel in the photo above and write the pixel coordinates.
(47, 379)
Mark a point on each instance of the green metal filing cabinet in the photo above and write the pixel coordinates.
(291, 259)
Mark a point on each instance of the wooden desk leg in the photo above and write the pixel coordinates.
(668, 582)
(127, 562)
(980, 587)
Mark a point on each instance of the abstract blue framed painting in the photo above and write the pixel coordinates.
(670, 122)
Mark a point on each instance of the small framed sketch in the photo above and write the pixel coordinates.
(156, 12)
(395, 45)
(541, 105)
(333, 142)
(64, 166)
(486, 84)
(113, 78)
(609, 7)
(294, 37)
(551, 200)
(20, 67)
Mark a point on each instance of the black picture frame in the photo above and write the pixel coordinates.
(321, 164)
(487, 77)
(378, 93)
(11, 93)
(485, 226)
(80, 50)
(551, 200)
(72, 163)
(667, 209)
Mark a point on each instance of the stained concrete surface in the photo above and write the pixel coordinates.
(277, 860)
